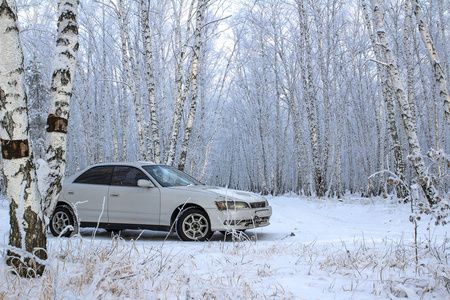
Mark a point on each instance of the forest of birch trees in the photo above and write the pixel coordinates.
(315, 97)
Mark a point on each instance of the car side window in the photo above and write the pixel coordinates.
(127, 176)
(96, 175)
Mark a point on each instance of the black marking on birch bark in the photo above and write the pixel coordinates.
(67, 15)
(35, 232)
(68, 54)
(65, 77)
(5, 9)
(12, 149)
(8, 123)
(15, 238)
(56, 124)
(58, 156)
(12, 83)
(12, 28)
(62, 42)
(2, 98)
(35, 244)
(70, 28)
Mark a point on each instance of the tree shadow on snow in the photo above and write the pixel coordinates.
(159, 236)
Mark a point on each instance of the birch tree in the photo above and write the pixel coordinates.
(61, 93)
(181, 87)
(308, 86)
(27, 238)
(323, 62)
(200, 16)
(439, 74)
(131, 73)
(425, 181)
(387, 94)
(149, 69)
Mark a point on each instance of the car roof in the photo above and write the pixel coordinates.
(72, 176)
(126, 163)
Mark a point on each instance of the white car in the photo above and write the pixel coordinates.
(144, 195)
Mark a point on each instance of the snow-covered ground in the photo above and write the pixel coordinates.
(314, 249)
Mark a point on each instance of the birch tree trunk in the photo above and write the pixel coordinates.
(277, 189)
(293, 107)
(148, 54)
(425, 181)
(439, 74)
(409, 62)
(86, 117)
(200, 15)
(324, 67)
(61, 92)
(307, 77)
(386, 89)
(125, 76)
(27, 238)
(180, 95)
(112, 111)
(132, 75)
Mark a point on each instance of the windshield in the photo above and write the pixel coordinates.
(168, 176)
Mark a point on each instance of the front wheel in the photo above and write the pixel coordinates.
(193, 225)
(62, 222)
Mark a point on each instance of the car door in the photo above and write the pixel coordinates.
(130, 204)
(89, 194)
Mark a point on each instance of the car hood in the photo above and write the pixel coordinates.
(224, 193)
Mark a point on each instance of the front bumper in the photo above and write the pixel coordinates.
(239, 219)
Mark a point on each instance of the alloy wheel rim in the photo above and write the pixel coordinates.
(60, 221)
(195, 226)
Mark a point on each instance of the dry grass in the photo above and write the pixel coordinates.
(238, 268)
(124, 269)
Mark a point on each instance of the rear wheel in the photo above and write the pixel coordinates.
(193, 225)
(62, 222)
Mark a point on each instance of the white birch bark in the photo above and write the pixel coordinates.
(200, 14)
(439, 74)
(427, 184)
(125, 76)
(148, 54)
(429, 104)
(323, 66)
(27, 237)
(102, 145)
(86, 117)
(262, 130)
(113, 124)
(294, 109)
(387, 92)
(277, 189)
(180, 94)
(409, 62)
(310, 103)
(132, 75)
(61, 93)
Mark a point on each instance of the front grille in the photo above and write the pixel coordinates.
(258, 204)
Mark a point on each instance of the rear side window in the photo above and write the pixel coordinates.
(127, 176)
(96, 175)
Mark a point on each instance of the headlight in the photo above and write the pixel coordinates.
(231, 205)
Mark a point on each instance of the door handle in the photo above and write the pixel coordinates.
(70, 192)
(114, 195)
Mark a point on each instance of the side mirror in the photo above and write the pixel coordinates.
(145, 183)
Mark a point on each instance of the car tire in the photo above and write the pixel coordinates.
(193, 225)
(62, 218)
